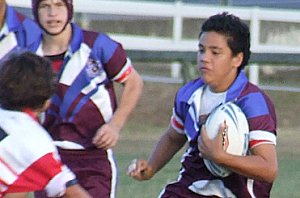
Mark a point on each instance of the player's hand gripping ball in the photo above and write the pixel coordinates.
(236, 135)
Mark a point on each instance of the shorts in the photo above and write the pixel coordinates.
(178, 190)
(95, 171)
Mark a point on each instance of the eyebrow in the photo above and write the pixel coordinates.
(210, 47)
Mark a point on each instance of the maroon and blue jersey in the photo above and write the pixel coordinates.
(18, 33)
(194, 175)
(85, 98)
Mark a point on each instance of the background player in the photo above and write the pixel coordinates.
(16, 30)
(224, 50)
(83, 117)
(29, 160)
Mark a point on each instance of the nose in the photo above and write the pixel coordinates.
(52, 10)
(202, 56)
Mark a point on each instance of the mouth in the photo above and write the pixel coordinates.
(204, 69)
(53, 22)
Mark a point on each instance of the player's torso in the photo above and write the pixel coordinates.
(85, 97)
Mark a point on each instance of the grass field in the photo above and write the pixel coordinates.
(152, 116)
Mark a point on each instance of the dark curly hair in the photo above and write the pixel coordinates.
(26, 81)
(236, 31)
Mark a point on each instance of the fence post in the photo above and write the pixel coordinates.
(254, 73)
(176, 69)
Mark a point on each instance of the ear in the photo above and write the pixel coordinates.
(237, 60)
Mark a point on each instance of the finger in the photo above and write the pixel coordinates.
(102, 141)
(203, 133)
(132, 167)
(97, 137)
(105, 145)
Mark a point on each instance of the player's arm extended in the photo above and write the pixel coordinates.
(167, 146)
(260, 165)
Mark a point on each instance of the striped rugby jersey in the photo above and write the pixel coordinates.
(261, 117)
(29, 161)
(85, 97)
(18, 33)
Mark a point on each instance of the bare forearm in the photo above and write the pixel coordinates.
(129, 99)
(254, 166)
(165, 149)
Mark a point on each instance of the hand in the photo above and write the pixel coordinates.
(140, 170)
(212, 149)
(107, 136)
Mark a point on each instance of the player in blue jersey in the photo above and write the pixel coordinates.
(84, 118)
(224, 50)
(16, 30)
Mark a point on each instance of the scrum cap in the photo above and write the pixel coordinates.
(35, 4)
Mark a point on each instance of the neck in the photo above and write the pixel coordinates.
(222, 86)
(53, 45)
(32, 113)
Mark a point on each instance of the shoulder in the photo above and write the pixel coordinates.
(27, 29)
(89, 37)
(258, 108)
(252, 96)
(25, 20)
(187, 90)
(92, 38)
(19, 134)
(186, 94)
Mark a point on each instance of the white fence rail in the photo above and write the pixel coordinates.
(180, 11)
(176, 47)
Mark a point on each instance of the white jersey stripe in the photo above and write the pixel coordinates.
(94, 83)
(9, 175)
(7, 44)
(114, 173)
(124, 69)
(102, 100)
(75, 65)
(250, 183)
(262, 135)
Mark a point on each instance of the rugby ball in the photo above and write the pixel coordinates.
(236, 137)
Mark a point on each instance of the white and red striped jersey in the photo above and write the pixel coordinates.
(29, 161)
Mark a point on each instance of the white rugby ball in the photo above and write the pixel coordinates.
(237, 133)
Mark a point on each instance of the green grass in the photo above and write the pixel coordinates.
(139, 146)
(288, 179)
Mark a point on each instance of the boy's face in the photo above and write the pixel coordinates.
(216, 62)
(53, 15)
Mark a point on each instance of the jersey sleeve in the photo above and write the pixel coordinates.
(116, 63)
(176, 122)
(181, 106)
(58, 184)
(261, 116)
(124, 72)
